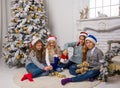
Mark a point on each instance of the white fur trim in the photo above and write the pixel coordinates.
(91, 39)
(83, 35)
(64, 61)
(51, 38)
(35, 40)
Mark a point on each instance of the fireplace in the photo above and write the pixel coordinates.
(105, 29)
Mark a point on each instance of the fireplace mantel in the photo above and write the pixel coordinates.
(104, 29)
(99, 24)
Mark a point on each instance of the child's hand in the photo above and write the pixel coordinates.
(48, 68)
(65, 52)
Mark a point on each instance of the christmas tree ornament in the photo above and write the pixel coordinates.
(40, 9)
(24, 28)
(17, 31)
(19, 9)
(31, 8)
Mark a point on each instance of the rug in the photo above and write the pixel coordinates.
(49, 81)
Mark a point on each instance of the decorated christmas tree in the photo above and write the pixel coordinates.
(28, 19)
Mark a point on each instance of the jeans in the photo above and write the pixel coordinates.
(72, 69)
(85, 76)
(36, 72)
(67, 65)
(55, 65)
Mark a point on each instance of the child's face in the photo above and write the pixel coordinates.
(39, 46)
(90, 44)
(52, 43)
(82, 40)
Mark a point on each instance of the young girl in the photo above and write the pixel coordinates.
(53, 54)
(79, 53)
(93, 57)
(35, 62)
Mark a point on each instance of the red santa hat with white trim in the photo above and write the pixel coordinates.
(83, 34)
(35, 39)
(52, 38)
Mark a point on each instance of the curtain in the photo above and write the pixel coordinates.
(4, 16)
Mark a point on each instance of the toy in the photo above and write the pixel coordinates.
(82, 68)
(64, 59)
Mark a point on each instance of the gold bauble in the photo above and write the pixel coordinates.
(28, 21)
(19, 8)
(35, 16)
(16, 31)
(7, 49)
(32, 8)
(14, 20)
(22, 55)
(24, 28)
(19, 43)
(43, 17)
(40, 9)
(18, 57)
(36, 34)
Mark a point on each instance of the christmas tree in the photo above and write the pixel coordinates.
(28, 19)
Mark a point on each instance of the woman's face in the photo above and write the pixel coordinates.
(39, 46)
(82, 40)
(89, 44)
(52, 43)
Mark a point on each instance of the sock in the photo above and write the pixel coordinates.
(66, 80)
(29, 77)
(23, 78)
(91, 79)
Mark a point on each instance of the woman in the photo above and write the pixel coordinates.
(79, 53)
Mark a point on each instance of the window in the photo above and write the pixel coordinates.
(101, 8)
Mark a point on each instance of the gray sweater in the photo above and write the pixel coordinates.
(32, 59)
(93, 58)
(77, 52)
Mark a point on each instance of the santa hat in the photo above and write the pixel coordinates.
(92, 39)
(35, 39)
(84, 34)
(51, 38)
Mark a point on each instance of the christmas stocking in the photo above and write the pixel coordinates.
(27, 76)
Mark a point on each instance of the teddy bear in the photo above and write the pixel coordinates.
(82, 68)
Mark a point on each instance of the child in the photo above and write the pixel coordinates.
(52, 54)
(35, 62)
(93, 57)
(79, 53)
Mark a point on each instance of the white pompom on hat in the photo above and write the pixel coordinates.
(35, 39)
(51, 38)
(92, 39)
(83, 34)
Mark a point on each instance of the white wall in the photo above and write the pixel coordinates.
(62, 15)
